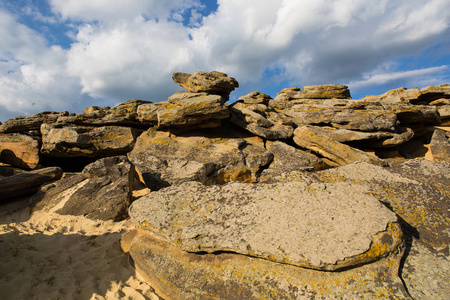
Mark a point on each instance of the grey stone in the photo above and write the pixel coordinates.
(440, 146)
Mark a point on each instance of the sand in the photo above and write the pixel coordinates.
(49, 256)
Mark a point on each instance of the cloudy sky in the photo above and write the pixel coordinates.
(70, 54)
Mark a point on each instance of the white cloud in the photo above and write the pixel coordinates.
(128, 49)
(384, 78)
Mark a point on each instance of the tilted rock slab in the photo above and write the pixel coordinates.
(289, 158)
(27, 183)
(101, 192)
(340, 153)
(319, 226)
(440, 146)
(34, 122)
(179, 275)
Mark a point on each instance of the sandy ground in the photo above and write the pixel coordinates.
(49, 256)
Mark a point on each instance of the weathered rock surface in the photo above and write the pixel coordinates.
(291, 223)
(164, 159)
(185, 110)
(288, 158)
(34, 122)
(260, 120)
(416, 190)
(370, 139)
(19, 150)
(124, 114)
(440, 146)
(176, 274)
(340, 153)
(102, 191)
(68, 140)
(27, 183)
(431, 93)
(426, 273)
(217, 83)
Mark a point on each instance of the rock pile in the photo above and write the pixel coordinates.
(311, 194)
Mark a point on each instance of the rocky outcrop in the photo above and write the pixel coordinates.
(288, 158)
(164, 159)
(32, 123)
(27, 183)
(19, 150)
(102, 191)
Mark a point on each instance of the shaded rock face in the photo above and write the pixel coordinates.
(73, 140)
(286, 223)
(206, 82)
(34, 122)
(19, 150)
(102, 191)
(164, 159)
(440, 146)
(27, 183)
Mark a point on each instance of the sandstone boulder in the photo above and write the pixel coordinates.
(209, 156)
(440, 146)
(19, 150)
(290, 223)
(217, 83)
(27, 183)
(68, 140)
(340, 153)
(102, 191)
(185, 110)
(431, 93)
(400, 95)
(255, 98)
(287, 158)
(179, 275)
(260, 120)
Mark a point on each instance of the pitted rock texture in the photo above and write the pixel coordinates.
(178, 275)
(319, 226)
(217, 83)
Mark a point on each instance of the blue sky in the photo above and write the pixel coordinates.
(70, 54)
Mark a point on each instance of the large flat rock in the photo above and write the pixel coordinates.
(319, 226)
(178, 275)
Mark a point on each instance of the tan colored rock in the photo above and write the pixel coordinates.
(34, 122)
(178, 275)
(67, 140)
(291, 223)
(288, 158)
(27, 183)
(431, 93)
(255, 98)
(185, 110)
(260, 120)
(217, 83)
(340, 153)
(210, 156)
(400, 95)
(369, 139)
(440, 146)
(19, 150)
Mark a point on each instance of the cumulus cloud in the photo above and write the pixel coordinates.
(128, 49)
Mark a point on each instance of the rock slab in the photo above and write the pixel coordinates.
(319, 226)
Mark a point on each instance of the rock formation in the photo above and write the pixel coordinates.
(311, 194)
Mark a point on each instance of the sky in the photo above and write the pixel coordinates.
(66, 55)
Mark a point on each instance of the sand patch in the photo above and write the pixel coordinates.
(49, 256)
